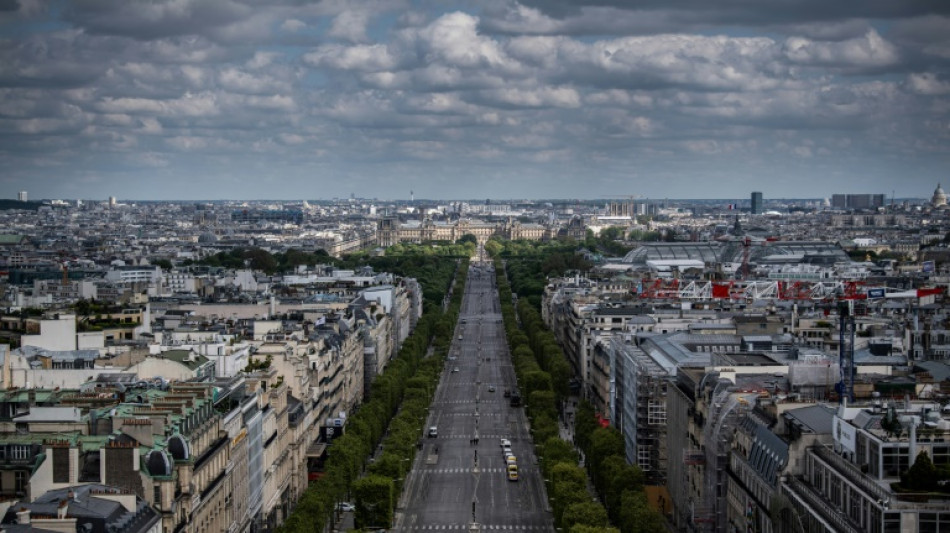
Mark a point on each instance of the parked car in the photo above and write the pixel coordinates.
(345, 507)
(433, 431)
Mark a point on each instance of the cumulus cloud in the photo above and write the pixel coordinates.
(545, 90)
(350, 25)
(367, 58)
(928, 83)
(868, 51)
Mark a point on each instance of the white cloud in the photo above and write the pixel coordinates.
(350, 25)
(566, 97)
(927, 83)
(870, 50)
(261, 59)
(453, 38)
(366, 58)
(150, 126)
(293, 25)
(235, 80)
(191, 105)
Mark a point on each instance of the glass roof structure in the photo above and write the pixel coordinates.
(731, 252)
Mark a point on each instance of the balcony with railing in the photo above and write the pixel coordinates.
(820, 504)
(851, 473)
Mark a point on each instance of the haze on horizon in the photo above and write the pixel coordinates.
(234, 99)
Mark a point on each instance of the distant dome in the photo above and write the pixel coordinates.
(207, 237)
(939, 198)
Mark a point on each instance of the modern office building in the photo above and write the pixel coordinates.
(756, 203)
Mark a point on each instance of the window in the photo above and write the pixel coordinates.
(643, 457)
(656, 413)
(19, 451)
(19, 481)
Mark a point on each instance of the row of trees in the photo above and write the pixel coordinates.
(539, 363)
(608, 241)
(393, 417)
(618, 484)
(530, 263)
(464, 247)
(428, 269)
(543, 376)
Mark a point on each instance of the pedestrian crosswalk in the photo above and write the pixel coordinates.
(488, 470)
(501, 528)
(482, 436)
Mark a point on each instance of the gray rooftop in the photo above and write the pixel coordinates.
(816, 419)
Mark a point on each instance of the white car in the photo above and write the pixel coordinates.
(505, 443)
(345, 507)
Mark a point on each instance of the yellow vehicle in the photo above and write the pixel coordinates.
(512, 472)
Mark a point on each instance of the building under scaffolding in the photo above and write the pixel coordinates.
(638, 407)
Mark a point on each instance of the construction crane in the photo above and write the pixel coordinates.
(845, 387)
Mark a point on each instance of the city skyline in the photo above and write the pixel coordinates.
(587, 99)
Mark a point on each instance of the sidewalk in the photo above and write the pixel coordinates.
(566, 426)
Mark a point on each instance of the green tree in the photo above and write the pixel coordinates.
(468, 237)
(636, 516)
(923, 475)
(565, 494)
(583, 528)
(618, 477)
(374, 502)
(588, 513)
(261, 260)
(568, 473)
(612, 233)
(554, 451)
(604, 443)
(162, 263)
(537, 381)
(585, 422)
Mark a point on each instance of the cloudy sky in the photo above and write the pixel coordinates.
(290, 99)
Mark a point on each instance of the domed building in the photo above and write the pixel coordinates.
(940, 198)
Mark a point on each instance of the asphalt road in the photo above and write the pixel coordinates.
(456, 485)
